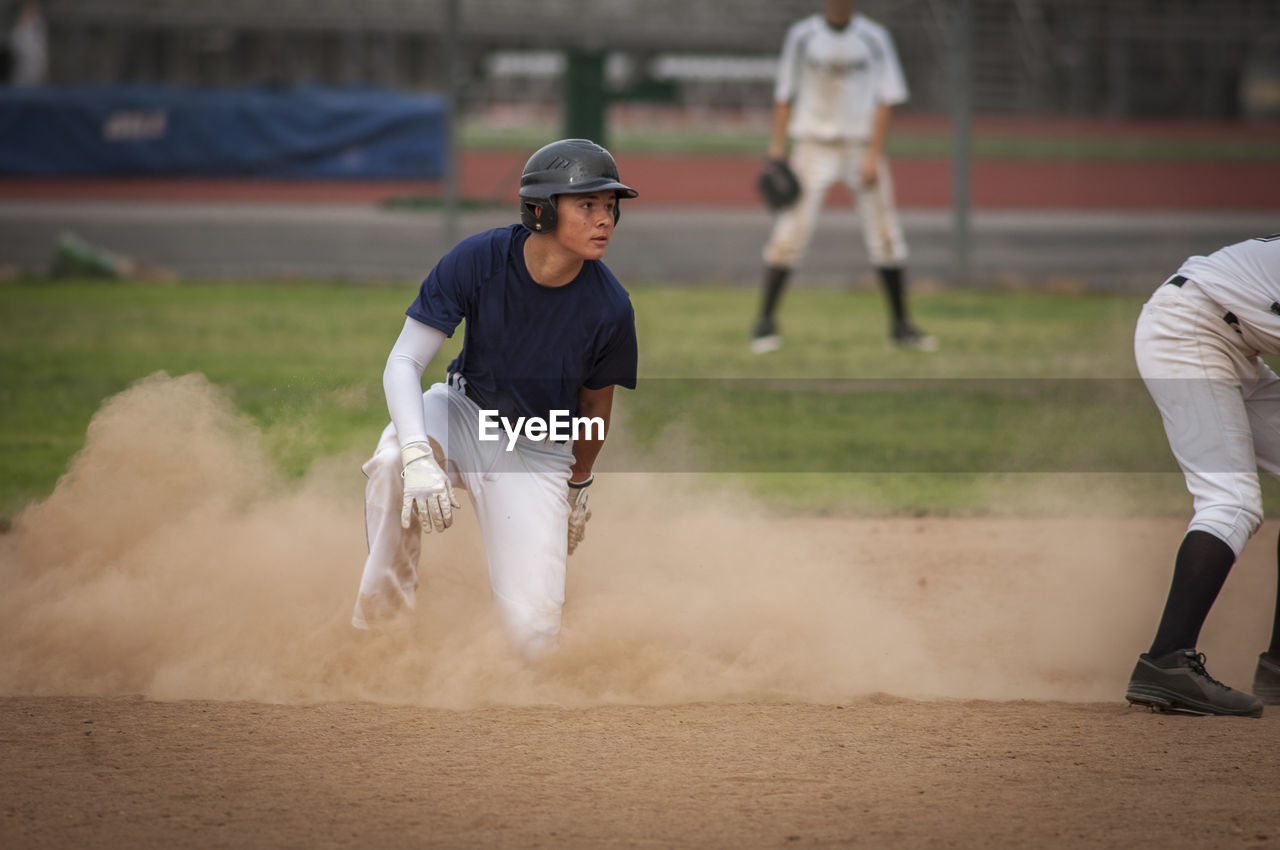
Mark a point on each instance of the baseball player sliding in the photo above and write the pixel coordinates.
(838, 81)
(1197, 344)
(524, 411)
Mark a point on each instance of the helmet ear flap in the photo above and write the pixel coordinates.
(539, 214)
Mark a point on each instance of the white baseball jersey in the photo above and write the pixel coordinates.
(835, 79)
(1244, 278)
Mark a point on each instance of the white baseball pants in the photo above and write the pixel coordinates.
(1220, 405)
(520, 501)
(818, 165)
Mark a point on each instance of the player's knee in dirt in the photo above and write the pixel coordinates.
(533, 632)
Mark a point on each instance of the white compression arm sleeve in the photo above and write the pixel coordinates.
(402, 379)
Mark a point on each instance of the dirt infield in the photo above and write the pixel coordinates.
(177, 668)
(874, 772)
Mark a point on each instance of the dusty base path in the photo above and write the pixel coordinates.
(177, 669)
(874, 772)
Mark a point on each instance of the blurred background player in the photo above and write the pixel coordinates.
(28, 47)
(1198, 344)
(548, 328)
(838, 80)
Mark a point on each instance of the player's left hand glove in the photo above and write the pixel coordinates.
(777, 184)
(579, 513)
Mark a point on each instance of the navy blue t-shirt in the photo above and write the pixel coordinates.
(528, 348)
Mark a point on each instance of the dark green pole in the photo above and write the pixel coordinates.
(962, 133)
(585, 100)
(453, 92)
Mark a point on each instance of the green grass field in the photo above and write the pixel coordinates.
(1031, 405)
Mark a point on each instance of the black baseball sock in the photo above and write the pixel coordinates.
(1199, 572)
(892, 281)
(1274, 649)
(775, 281)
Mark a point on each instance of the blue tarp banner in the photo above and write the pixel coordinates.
(137, 130)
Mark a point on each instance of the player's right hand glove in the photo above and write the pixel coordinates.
(579, 513)
(777, 185)
(427, 488)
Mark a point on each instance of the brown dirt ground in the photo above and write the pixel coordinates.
(873, 772)
(176, 669)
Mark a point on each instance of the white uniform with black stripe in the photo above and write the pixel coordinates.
(835, 80)
(1198, 344)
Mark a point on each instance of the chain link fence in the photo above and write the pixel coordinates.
(1215, 59)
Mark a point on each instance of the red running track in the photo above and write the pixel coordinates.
(720, 180)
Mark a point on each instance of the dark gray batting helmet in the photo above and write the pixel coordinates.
(566, 167)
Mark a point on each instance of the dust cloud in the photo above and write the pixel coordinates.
(173, 561)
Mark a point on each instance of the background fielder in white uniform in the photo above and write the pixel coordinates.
(549, 330)
(1198, 344)
(838, 79)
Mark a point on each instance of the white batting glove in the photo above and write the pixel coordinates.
(426, 487)
(579, 513)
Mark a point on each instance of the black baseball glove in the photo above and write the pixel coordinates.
(778, 185)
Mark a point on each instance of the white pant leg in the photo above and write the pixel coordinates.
(1262, 401)
(523, 511)
(389, 582)
(881, 227)
(816, 166)
(1202, 376)
(521, 505)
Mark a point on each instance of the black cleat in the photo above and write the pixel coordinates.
(907, 335)
(764, 336)
(1178, 683)
(1266, 679)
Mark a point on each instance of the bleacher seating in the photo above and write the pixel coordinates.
(1101, 57)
